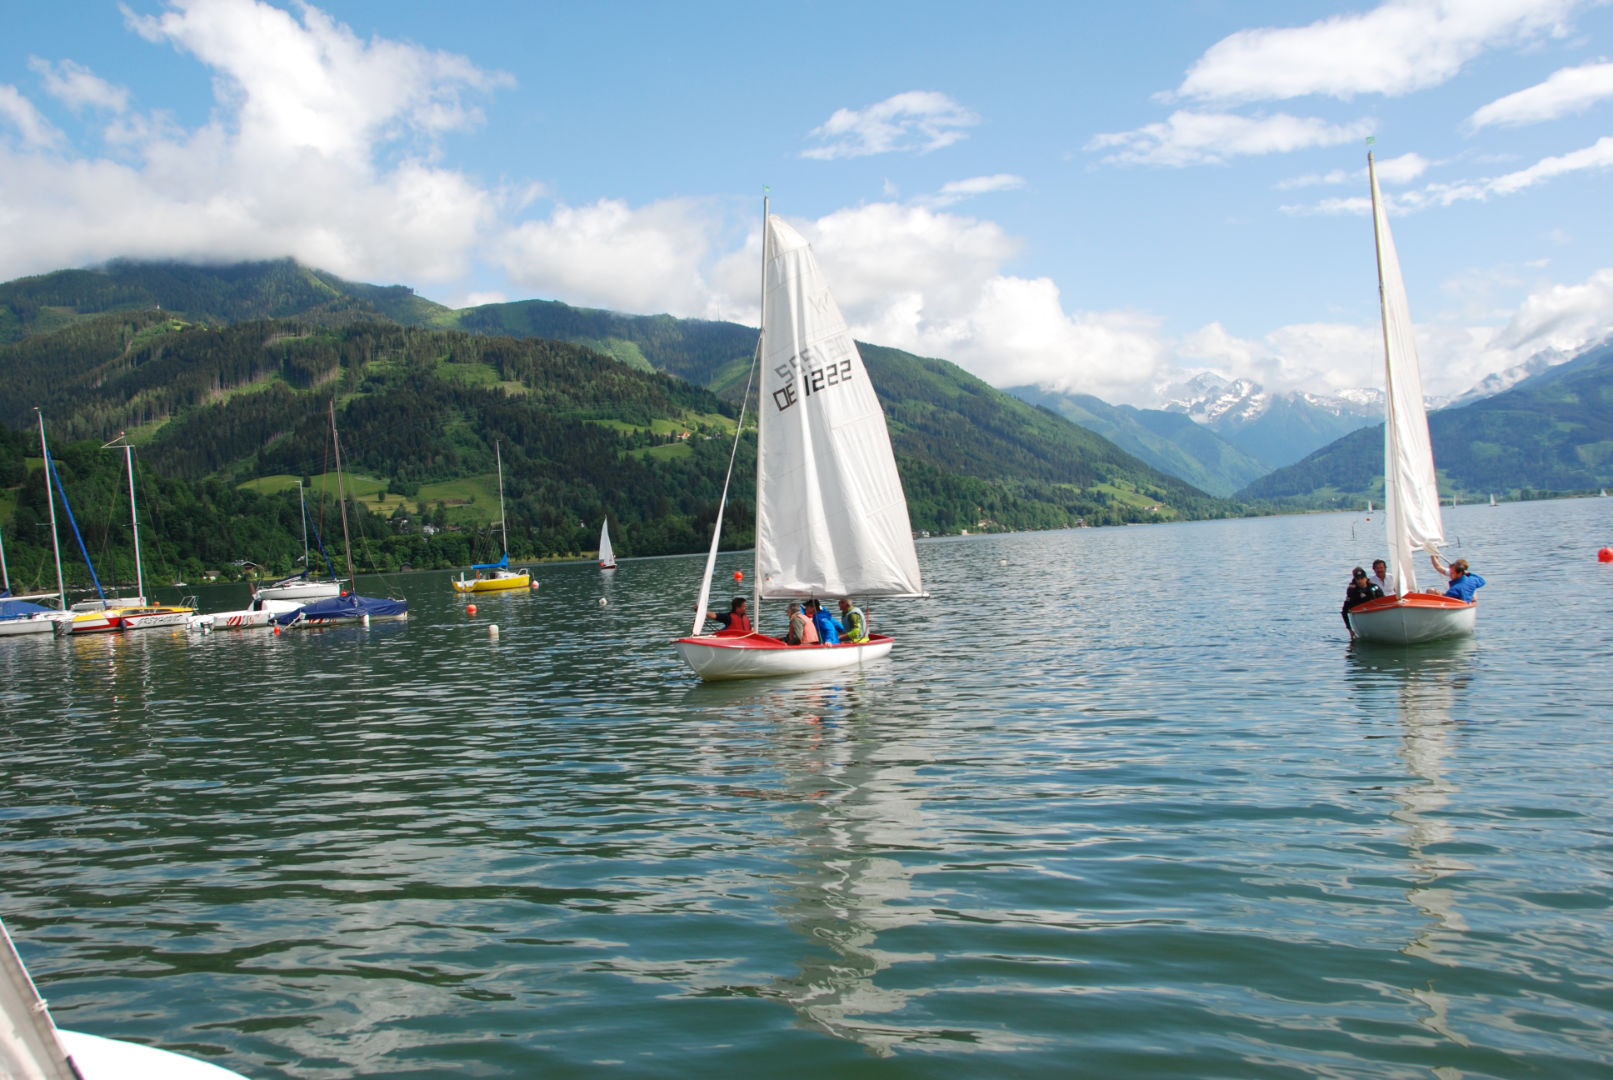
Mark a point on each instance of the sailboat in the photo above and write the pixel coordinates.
(1492, 500)
(349, 606)
(129, 613)
(499, 575)
(1411, 495)
(607, 556)
(301, 587)
(831, 518)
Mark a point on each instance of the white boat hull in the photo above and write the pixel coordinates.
(154, 619)
(302, 591)
(1413, 618)
(718, 657)
(98, 1058)
(32, 624)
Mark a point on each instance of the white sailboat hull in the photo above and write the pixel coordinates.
(717, 657)
(97, 1058)
(32, 624)
(1413, 618)
(299, 590)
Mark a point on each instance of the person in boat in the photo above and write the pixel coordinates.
(1360, 590)
(1381, 577)
(1464, 583)
(828, 630)
(734, 620)
(853, 624)
(802, 631)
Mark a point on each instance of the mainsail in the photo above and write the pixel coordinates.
(1411, 493)
(831, 519)
(607, 557)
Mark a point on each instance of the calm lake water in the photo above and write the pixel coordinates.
(1123, 802)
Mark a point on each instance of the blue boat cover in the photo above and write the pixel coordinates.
(345, 607)
(21, 609)
(502, 564)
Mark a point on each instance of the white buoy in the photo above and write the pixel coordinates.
(492, 630)
(603, 601)
(366, 619)
(1002, 562)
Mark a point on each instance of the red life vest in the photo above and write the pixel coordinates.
(737, 624)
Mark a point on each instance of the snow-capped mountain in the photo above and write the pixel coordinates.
(1276, 428)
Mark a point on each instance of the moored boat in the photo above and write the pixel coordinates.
(348, 606)
(498, 576)
(1411, 493)
(831, 517)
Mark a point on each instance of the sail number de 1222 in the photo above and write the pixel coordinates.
(812, 380)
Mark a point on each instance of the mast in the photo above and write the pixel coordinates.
(50, 499)
(498, 453)
(302, 504)
(1391, 504)
(341, 497)
(756, 516)
(134, 522)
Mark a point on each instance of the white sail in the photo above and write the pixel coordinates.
(1411, 493)
(831, 519)
(607, 557)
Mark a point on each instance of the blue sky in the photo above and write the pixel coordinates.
(1101, 198)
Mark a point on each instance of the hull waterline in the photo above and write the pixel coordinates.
(718, 657)
(1413, 618)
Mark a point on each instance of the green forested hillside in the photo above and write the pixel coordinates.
(213, 294)
(227, 415)
(1551, 432)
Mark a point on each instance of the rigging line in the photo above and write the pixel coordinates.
(716, 531)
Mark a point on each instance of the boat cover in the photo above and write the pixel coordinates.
(345, 607)
(21, 609)
(502, 564)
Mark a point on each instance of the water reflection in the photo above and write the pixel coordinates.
(1429, 683)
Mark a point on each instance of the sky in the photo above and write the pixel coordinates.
(1102, 199)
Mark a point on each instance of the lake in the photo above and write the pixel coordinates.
(1122, 802)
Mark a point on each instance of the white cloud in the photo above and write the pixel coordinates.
(1394, 49)
(954, 191)
(321, 146)
(1596, 156)
(916, 121)
(1570, 90)
(1197, 138)
(1397, 170)
(651, 259)
(21, 114)
(76, 86)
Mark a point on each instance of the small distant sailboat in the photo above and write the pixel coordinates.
(1492, 500)
(349, 606)
(1411, 494)
(1369, 509)
(499, 575)
(607, 557)
(831, 518)
(1604, 493)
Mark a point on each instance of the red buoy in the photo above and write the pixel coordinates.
(738, 576)
(470, 609)
(1605, 555)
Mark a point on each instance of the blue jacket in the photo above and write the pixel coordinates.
(828, 631)
(1464, 587)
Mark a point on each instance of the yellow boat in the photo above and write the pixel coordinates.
(499, 575)
(499, 579)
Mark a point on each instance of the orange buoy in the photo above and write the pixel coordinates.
(277, 629)
(470, 609)
(738, 576)
(1605, 555)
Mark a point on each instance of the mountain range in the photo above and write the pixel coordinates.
(222, 377)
